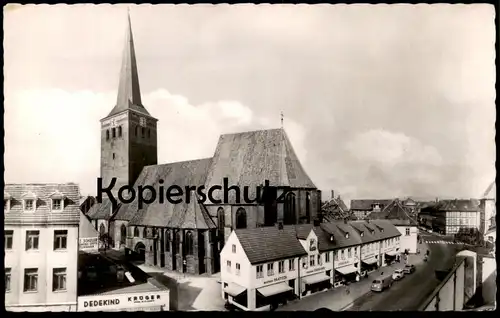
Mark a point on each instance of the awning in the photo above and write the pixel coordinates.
(392, 253)
(275, 289)
(369, 261)
(316, 278)
(349, 269)
(234, 289)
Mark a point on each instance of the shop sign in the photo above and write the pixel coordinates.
(366, 256)
(342, 263)
(319, 269)
(276, 280)
(89, 244)
(122, 301)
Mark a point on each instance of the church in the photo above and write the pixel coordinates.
(188, 236)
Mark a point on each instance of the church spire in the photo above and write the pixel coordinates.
(129, 92)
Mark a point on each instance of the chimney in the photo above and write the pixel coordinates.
(333, 194)
(338, 197)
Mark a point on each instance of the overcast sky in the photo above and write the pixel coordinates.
(379, 101)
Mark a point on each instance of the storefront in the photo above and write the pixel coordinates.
(369, 262)
(145, 301)
(275, 293)
(390, 256)
(345, 271)
(315, 280)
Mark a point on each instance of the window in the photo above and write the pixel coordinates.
(270, 269)
(136, 231)
(59, 279)
(113, 132)
(289, 213)
(349, 253)
(320, 262)
(241, 219)
(102, 229)
(189, 243)
(308, 207)
(234, 248)
(327, 257)
(29, 205)
(342, 255)
(355, 251)
(228, 265)
(167, 241)
(238, 269)
(291, 265)
(281, 267)
(311, 260)
(336, 256)
(407, 231)
(60, 239)
(114, 156)
(119, 131)
(107, 134)
(30, 280)
(149, 133)
(32, 238)
(304, 262)
(7, 280)
(123, 234)
(143, 132)
(260, 271)
(145, 232)
(8, 236)
(56, 204)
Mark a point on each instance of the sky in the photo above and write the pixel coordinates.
(379, 101)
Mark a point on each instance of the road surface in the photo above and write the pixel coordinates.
(410, 292)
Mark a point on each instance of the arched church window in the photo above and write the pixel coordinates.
(102, 229)
(221, 224)
(143, 132)
(119, 131)
(113, 132)
(136, 130)
(178, 238)
(136, 231)
(290, 208)
(188, 243)
(123, 233)
(167, 240)
(308, 207)
(241, 219)
(107, 134)
(145, 232)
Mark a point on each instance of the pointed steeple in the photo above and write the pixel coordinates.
(129, 92)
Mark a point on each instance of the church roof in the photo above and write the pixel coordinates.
(187, 215)
(250, 158)
(41, 193)
(129, 92)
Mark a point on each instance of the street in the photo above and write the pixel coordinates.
(413, 289)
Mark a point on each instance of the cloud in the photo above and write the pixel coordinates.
(54, 135)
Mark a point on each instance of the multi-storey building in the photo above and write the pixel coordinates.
(41, 246)
(263, 267)
(449, 216)
(362, 208)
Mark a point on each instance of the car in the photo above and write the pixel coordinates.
(381, 283)
(409, 269)
(398, 274)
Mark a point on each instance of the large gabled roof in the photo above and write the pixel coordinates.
(396, 213)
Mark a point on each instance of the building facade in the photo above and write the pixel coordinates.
(264, 267)
(487, 209)
(41, 246)
(449, 216)
(362, 208)
(188, 236)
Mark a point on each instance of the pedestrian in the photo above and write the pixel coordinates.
(347, 291)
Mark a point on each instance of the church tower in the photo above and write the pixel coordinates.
(128, 133)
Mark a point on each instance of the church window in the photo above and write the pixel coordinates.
(136, 130)
(149, 133)
(113, 132)
(289, 217)
(145, 232)
(136, 231)
(119, 131)
(143, 132)
(107, 134)
(221, 225)
(123, 232)
(189, 243)
(241, 219)
(308, 207)
(167, 240)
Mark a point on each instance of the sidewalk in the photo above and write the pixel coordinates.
(337, 299)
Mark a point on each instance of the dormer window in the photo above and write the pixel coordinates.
(347, 235)
(361, 234)
(57, 201)
(29, 202)
(6, 202)
(332, 238)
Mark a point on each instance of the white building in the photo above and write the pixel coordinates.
(263, 267)
(488, 208)
(41, 246)
(398, 215)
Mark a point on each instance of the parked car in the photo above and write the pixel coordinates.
(381, 283)
(409, 268)
(398, 274)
